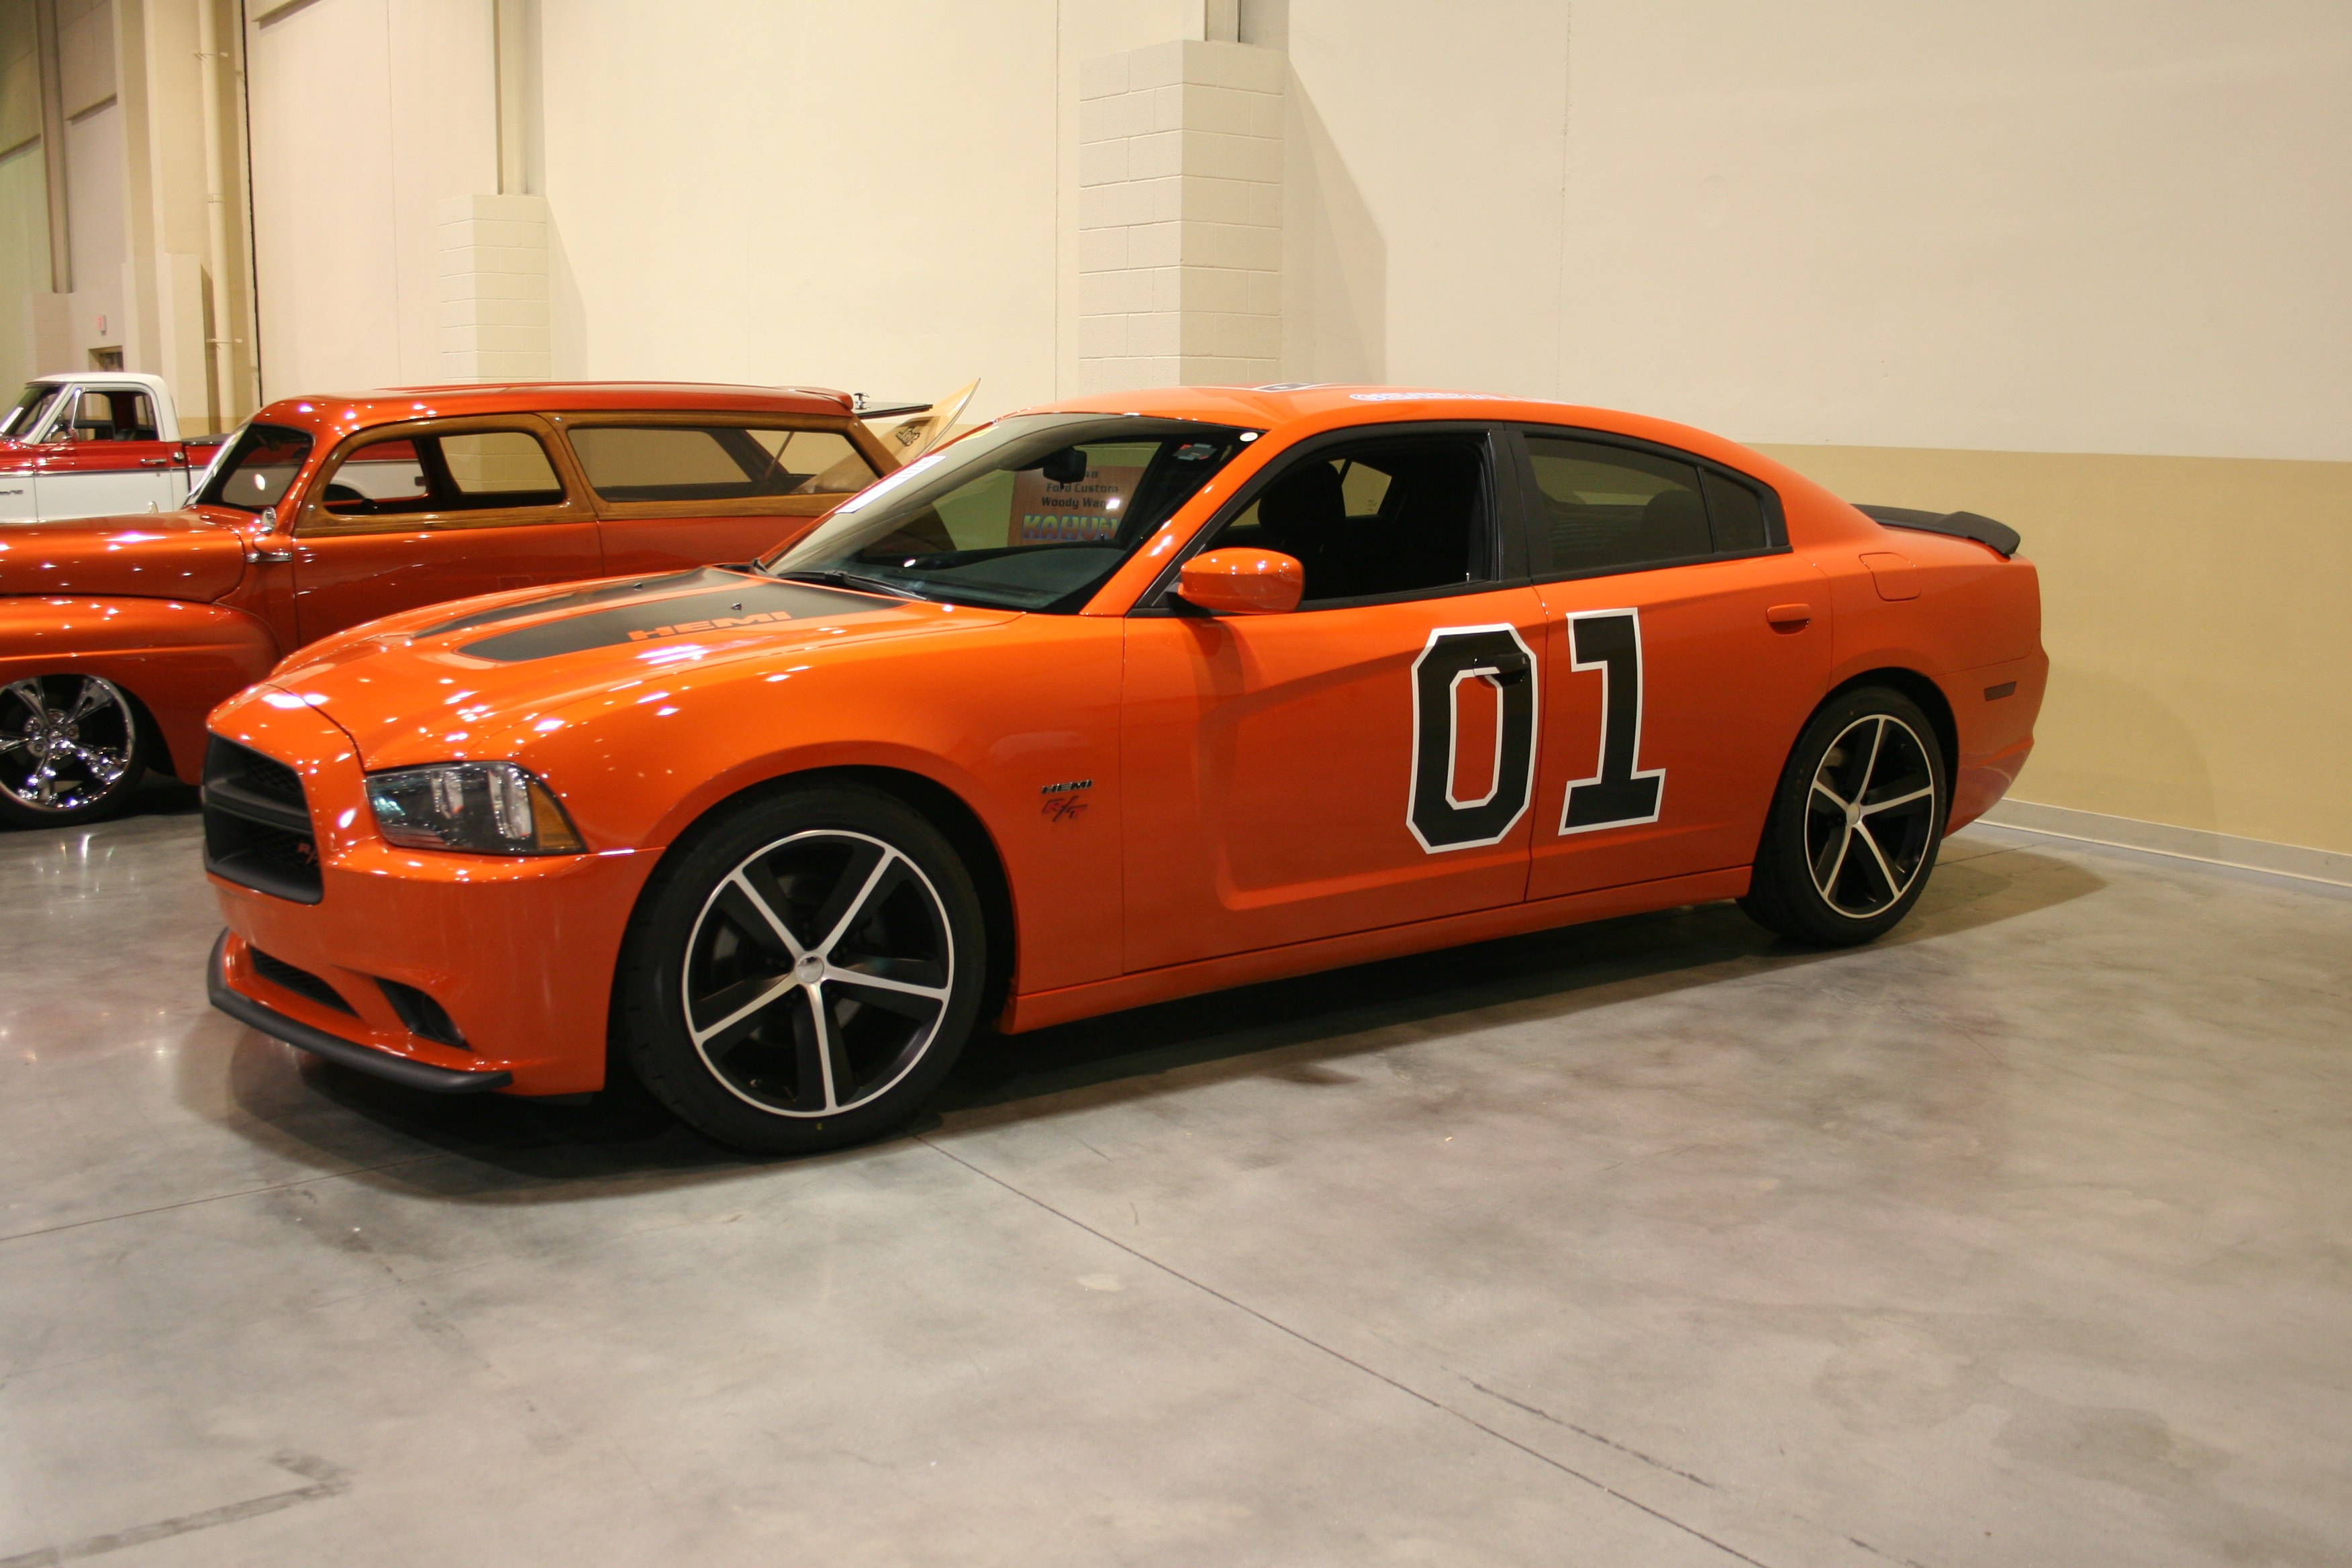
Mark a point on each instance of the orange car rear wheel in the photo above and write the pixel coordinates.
(804, 970)
(72, 747)
(1856, 822)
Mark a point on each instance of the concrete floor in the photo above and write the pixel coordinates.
(2024, 1238)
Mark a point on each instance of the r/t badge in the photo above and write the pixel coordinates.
(1063, 802)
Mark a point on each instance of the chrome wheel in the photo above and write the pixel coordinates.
(1870, 818)
(818, 974)
(66, 743)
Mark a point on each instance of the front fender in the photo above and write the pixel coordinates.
(178, 658)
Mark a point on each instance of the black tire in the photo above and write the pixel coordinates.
(72, 749)
(1856, 822)
(714, 998)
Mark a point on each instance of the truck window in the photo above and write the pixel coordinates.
(32, 407)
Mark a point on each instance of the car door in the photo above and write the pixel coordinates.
(104, 457)
(1685, 646)
(1363, 761)
(416, 513)
(686, 489)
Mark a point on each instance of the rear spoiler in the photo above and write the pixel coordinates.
(1957, 524)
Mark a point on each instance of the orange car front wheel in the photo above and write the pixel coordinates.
(804, 970)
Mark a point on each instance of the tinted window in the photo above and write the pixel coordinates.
(1611, 508)
(695, 462)
(473, 470)
(1031, 512)
(1738, 513)
(254, 471)
(1391, 515)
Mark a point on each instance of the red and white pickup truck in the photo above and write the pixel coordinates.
(97, 445)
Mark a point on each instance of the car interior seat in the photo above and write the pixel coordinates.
(1305, 514)
(1673, 524)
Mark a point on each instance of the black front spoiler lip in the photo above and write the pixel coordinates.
(334, 1048)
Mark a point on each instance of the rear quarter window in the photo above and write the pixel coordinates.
(709, 463)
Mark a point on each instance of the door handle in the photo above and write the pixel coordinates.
(153, 462)
(1790, 617)
(1510, 677)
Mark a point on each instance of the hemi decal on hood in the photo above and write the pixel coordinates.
(745, 603)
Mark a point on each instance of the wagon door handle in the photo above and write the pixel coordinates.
(1789, 615)
(153, 462)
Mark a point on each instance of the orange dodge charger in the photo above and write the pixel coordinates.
(1106, 702)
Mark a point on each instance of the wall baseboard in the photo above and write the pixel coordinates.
(2329, 865)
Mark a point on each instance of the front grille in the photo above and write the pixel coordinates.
(248, 770)
(257, 824)
(300, 982)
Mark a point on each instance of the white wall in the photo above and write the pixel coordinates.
(2112, 225)
(366, 114)
(2095, 225)
(860, 197)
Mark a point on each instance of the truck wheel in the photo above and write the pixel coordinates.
(72, 747)
(1855, 824)
(803, 974)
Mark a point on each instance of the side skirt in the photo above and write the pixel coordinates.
(1043, 1009)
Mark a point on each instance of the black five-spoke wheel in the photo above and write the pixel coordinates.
(818, 974)
(1855, 823)
(1870, 819)
(71, 749)
(805, 972)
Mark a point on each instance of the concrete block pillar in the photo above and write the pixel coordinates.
(1179, 217)
(494, 303)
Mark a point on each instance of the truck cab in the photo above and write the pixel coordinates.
(102, 444)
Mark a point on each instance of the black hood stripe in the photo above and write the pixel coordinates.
(667, 583)
(743, 605)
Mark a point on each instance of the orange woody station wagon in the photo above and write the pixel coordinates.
(118, 635)
(1105, 703)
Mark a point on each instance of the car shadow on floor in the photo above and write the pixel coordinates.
(506, 1149)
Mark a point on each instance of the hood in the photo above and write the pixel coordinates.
(175, 555)
(477, 679)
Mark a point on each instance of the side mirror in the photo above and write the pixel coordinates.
(1243, 582)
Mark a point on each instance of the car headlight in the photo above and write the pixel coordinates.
(482, 808)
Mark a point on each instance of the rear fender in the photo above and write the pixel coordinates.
(179, 659)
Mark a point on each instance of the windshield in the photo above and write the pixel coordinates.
(1030, 513)
(30, 407)
(253, 471)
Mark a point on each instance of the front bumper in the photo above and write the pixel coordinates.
(400, 1069)
(514, 954)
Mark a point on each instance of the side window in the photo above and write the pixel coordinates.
(472, 470)
(256, 469)
(1384, 515)
(1612, 509)
(489, 469)
(1607, 508)
(1737, 511)
(117, 416)
(717, 462)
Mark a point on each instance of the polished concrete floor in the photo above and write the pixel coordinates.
(2024, 1238)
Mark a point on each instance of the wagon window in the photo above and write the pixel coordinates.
(472, 470)
(717, 462)
(255, 469)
